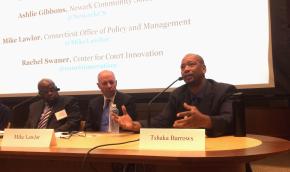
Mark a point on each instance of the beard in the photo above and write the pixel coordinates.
(194, 80)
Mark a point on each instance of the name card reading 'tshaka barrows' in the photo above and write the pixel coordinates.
(28, 138)
(172, 139)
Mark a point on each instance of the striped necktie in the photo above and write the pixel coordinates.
(44, 117)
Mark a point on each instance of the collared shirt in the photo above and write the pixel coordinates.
(196, 98)
(112, 99)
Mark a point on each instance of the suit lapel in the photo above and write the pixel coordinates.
(55, 108)
(205, 103)
(207, 100)
(117, 99)
(99, 110)
(38, 111)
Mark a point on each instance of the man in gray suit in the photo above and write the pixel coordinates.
(199, 103)
(61, 113)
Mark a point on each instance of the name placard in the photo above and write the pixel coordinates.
(28, 138)
(172, 139)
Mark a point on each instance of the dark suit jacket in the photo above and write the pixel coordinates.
(214, 100)
(70, 123)
(95, 109)
(5, 116)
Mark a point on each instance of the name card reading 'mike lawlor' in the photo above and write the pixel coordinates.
(28, 138)
(172, 139)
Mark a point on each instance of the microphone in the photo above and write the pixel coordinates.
(155, 97)
(25, 102)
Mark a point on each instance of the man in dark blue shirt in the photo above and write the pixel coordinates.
(199, 103)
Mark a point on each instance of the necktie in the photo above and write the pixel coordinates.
(105, 116)
(44, 117)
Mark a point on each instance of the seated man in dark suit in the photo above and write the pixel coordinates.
(61, 113)
(96, 119)
(5, 116)
(199, 103)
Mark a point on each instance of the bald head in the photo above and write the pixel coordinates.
(193, 69)
(194, 56)
(48, 90)
(45, 82)
(104, 74)
(107, 83)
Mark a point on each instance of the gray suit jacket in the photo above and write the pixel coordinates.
(67, 103)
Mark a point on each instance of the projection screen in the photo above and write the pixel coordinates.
(141, 41)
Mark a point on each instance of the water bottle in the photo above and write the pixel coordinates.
(113, 126)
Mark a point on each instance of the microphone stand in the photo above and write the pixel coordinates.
(154, 98)
(20, 112)
(25, 101)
